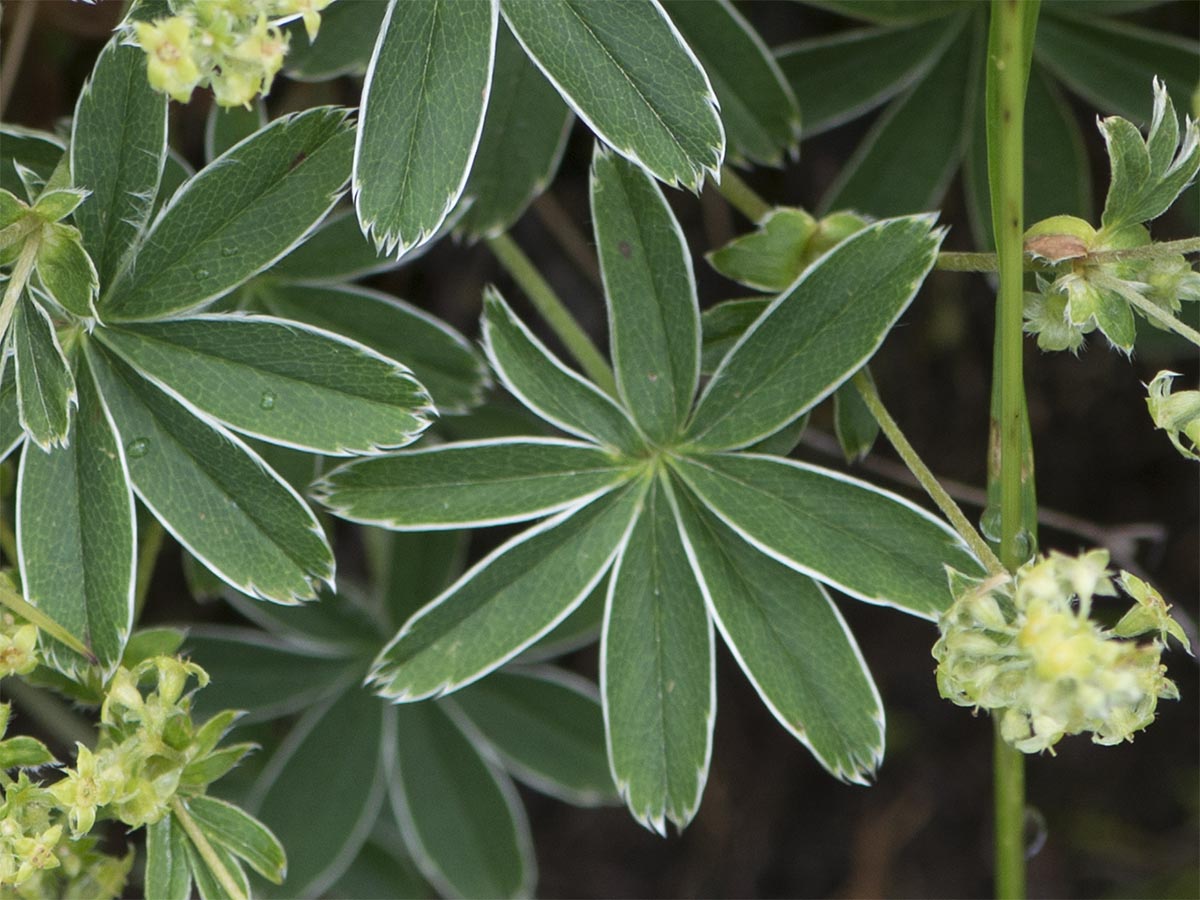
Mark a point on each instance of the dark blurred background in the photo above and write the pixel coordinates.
(1114, 822)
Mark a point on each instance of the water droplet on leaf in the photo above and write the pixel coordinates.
(228, 251)
(137, 448)
(268, 400)
(201, 274)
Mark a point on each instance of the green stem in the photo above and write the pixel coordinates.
(554, 311)
(17, 281)
(207, 853)
(31, 614)
(927, 480)
(52, 714)
(1009, 50)
(953, 261)
(742, 197)
(1146, 307)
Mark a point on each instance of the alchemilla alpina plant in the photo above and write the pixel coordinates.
(442, 567)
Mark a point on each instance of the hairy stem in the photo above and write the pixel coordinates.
(207, 853)
(554, 311)
(742, 197)
(927, 480)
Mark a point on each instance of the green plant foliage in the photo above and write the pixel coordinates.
(657, 639)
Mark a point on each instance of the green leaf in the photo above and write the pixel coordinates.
(463, 821)
(892, 174)
(168, 872)
(580, 629)
(793, 645)
(236, 217)
(855, 427)
(654, 321)
(723, 325)
(623, 67)
(817, 334)
(207, 883)
(66, 271)
(522, 144)
(212, 493)
(118, 147)
(506, 601)
(24, 752)
(227, 826)
(841, 76)
(320, 775)
(421, 117)
(769, 258)
(407, 570)
(868, 543)
(1109, 62)
(381, 869)
(11, 431)
(45, 387)
(470, 484)
(348, 32)
(227, 126)
(758, 109)
(890, 11)
(658, 672)
(280, 381)
(39, 151)
(547, 726)
(336, 251)
(543, 384)
(442, 359)
(77, 536)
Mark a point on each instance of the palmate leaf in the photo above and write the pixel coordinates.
(470, 484)
(758, 109)
(816, 334)
(791, 642)
(866, 542)
(421, 116)
(45, 386)
(280, 381)
(212, 493)
(522, 143)
(236, 217)
(658, 672)
(623, 67)
(75, 530)
(653, 316)
(118, 148)
(461, 817)
(506, 601)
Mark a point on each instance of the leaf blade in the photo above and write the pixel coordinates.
(241, 834)
(46, 391)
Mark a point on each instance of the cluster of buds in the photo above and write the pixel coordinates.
(1025, 648)
(235, 47)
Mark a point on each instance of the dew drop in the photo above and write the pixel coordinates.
(137, 448)
(1036, 831)
(201, 274)
(228, 251)
(268, 400)
(989, 524)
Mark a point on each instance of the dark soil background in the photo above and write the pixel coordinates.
(1117, 822)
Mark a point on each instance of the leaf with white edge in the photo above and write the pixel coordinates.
(533, 375)
(336, 251)
(842, 76)
(168, 871)
(462, 819)
(758, 108)
(624, 68)
(450, 368)
(237, 216)
(212, 493)
(522, 144)
(658, 672)
(118, 147)
(75, 530)
(45, 386)
(208, 884)
(343, 747)
(421, 116)
(853, 423)
(816, 334)
(654, 320)
(507, 601)
(547, 726)
(227, 126)
(1148, 175)
(382, 868)
(11, 431)
(66, 271)
(280, 381)
(866, 542)
(891, 12)
(470, 484)
(793, 645)
(24, 752)
(248, 839)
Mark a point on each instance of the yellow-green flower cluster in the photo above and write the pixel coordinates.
(18, 646)
(235, 47)
(1026, 649)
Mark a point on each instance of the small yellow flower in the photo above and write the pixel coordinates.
(17, 656)
(170, 61)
